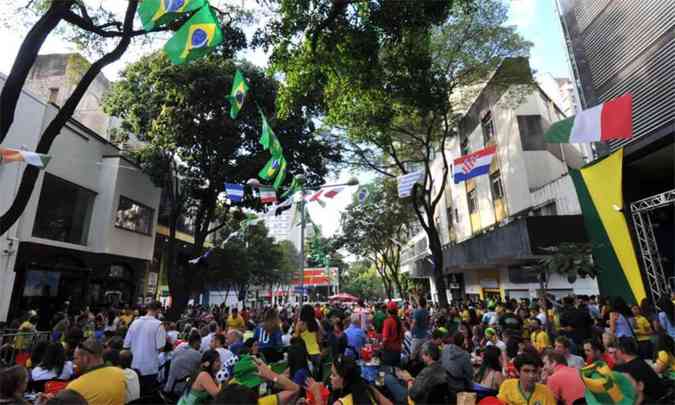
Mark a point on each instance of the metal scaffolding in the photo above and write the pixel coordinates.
(651, 259)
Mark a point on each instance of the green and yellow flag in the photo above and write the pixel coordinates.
(238, 94)
(600, 195)
(268, 140)
(272, 168)
(159, 12)
(281, 177)
(196, 38)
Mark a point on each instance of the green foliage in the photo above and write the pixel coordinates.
(570, 260)
(362, 280)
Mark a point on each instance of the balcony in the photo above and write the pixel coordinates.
(515, 242)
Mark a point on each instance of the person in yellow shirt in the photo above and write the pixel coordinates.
(525, 390)
(234, 321)
(643, 332)
(665, 356)
(538, 336)
(98, 384)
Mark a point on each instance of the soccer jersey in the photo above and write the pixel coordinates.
(511, 393)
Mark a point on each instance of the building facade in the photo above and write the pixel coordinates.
(494, 226)
(87, 235)
(624, 46)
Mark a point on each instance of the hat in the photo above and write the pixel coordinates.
(392, 306)
(490, 332)
(606, 387)
(439, 333)
(246, 372)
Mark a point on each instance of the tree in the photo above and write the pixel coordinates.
(91, 28)
(194, 146)
(373, 230)
(361, 280)
(570, 260)
(388, 88)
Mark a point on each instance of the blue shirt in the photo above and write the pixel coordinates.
(266, 340)
(666, 324)
(356, 339)
(421, 328)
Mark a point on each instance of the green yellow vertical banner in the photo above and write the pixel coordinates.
(599, 187)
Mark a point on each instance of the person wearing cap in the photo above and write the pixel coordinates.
(490, 317)
(392, 337)
(564, 381)
(493, 339)
(98, 384)
(145, 338)
(524, 390)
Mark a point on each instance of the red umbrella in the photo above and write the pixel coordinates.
(344, 297)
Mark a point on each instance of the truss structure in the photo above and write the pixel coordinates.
(651, 259)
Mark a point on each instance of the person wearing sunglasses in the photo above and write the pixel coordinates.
(89, 360)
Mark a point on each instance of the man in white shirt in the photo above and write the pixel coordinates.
(562, 345)
(493, 339)
(145, 338)
(206, 340)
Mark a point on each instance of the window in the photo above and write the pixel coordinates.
(464, 143)
(496, 184)
(53, 95)
(488, 128)
(473, 201)
(548, 209)
(449, 213)
(531, 132)
(134, 216)
(64, 211)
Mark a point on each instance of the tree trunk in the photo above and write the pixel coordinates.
(437, 255)
(25, 59)
(177, 287)
(54, 128)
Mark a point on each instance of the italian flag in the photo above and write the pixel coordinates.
(8, 155)
(267, 195)
(609, 120)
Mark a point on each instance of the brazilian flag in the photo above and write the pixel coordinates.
(600, 194)
(154, 13)
(238, 94)
(281, 177)
(273, 168)
(268, 140)
(196, 38)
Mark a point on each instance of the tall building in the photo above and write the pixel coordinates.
(494, 226)
(561, 91)
(87, 234)
(628, 46)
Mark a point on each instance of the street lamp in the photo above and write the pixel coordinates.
(300, 179)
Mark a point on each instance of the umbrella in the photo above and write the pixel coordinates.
(344, 297)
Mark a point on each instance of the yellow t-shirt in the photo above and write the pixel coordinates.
(23, 339)
(664, 359)
(268, 400)
(311, 342)
(102, 386)
(235, 323)
(511, 393)
(540, 340)
(643, 329)
(126, 319)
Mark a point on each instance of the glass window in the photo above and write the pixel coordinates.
(134, 216)
(473, 201)
(496, 184)
(64, 211)
(488, 128)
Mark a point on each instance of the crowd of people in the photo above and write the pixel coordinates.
(580, 350)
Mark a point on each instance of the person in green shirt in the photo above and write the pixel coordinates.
(378, 318)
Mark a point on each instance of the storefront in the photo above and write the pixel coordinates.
(50, 279)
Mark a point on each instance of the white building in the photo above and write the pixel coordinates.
(492, 226)
(88, 231)
(561, 91)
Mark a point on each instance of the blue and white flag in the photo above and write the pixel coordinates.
(235, 192)
(202, 258)
(406, 183)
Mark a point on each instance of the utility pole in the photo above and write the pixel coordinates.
(302, 245)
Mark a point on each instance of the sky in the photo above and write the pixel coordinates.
(536, 21)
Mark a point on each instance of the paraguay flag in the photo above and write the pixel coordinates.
(473, 164)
